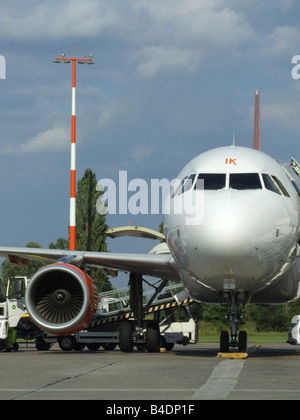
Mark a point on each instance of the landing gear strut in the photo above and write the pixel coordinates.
(133, 330)
(237, 340)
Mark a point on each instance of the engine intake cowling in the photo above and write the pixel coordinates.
(61, 298)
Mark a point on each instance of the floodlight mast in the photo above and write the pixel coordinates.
(72, 220)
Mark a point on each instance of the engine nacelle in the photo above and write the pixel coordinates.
(61, 299)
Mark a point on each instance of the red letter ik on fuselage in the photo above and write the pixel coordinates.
(230, 161)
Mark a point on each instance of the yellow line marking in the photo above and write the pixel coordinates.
(233, 355)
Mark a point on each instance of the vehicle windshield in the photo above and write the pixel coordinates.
(2, 294)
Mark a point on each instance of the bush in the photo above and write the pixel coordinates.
(273, 318)
(269, 318)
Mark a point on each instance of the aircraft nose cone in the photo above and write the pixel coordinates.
(228, 242)
(227, 225)
(230, 236)
(232, 217)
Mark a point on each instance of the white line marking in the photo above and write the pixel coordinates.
(221, 382)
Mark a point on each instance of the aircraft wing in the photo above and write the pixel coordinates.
(157, 265)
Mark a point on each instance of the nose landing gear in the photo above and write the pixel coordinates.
(241, 343)
(237, 340)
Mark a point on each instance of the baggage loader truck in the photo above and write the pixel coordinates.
(12, 308)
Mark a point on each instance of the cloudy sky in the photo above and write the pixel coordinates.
(172, 78)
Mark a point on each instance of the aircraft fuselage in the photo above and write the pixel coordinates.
(240, 233)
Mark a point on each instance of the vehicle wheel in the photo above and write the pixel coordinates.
(224, 342)
(169, 346)
(243, 347)
(66, 343)
(152, 337)
(15, 346)
(93, 346)
(109, 346)
(165, 345)
(41, 345)
(79, 346)
(126, 340)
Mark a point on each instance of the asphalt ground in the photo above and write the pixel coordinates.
(184, 376)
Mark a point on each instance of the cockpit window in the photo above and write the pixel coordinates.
(185, 185)
(280, 186)
(189, 182)
(212, 181)
(245, 181)
(270, 184)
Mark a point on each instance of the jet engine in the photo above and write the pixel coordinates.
(61, 298)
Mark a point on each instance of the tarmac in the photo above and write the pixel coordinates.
(186, 375)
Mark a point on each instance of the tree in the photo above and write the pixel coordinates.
(215, 314)
(90, 225)
(269, 318)
(12, 270)
(61, 243)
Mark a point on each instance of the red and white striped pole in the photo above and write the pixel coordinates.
(72, 220)
(72, 227)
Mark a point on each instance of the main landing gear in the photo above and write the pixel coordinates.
(237, 340)
(138, 330)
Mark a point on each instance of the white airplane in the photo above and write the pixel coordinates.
(244, 248)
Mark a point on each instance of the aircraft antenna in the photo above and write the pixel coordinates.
(256, 130)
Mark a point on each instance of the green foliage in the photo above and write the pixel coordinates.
(269, 318)
(61, 243)
(273, 318)
(90, 225)
(293, 308)
(11, 270)
(215, 314)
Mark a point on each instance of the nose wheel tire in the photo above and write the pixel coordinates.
(243, 342)
(224, 342)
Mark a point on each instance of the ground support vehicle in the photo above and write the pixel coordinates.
(294, 331)
(3, 318)
(12, 308)
(166, 322)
